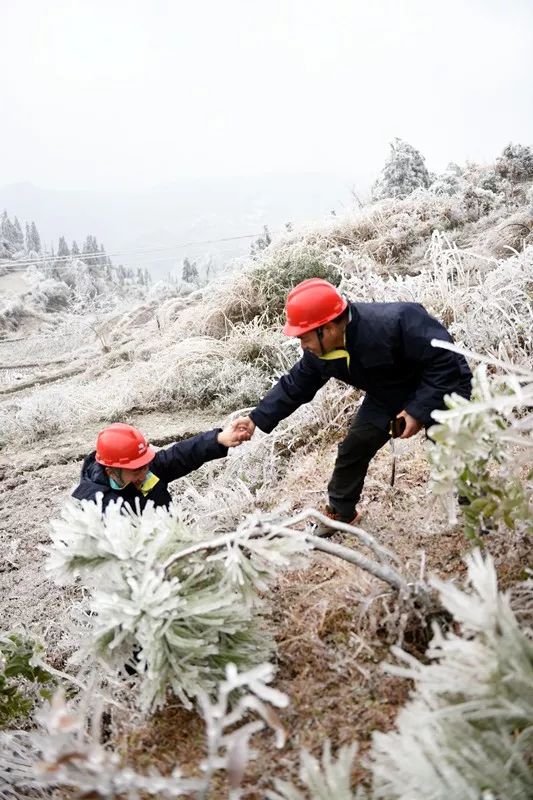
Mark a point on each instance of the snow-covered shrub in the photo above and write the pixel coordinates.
(23, 681)
(224, 374)
(46, 412)
(12, 312)
(158, 601)
(449, 182)
(279, 271)
(478, 202)
(467, 731)
(485, 447)
(50, 295)
(485, 303)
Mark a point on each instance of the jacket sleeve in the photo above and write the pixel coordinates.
(292, 390)
(441, 370)
(183, 457)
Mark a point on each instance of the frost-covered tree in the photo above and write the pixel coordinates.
(19, 236)
(90, 246)
(35, 238)
(62, 248)
(515, 163)
(7, 229)
(262, 242)
(75, 250)
(27, 237)
(404, 171)
(189, 272)
(154, 592)
(102, 260)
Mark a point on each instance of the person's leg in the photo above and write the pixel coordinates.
(362, 442)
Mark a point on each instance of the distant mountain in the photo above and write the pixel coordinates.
(188, 210)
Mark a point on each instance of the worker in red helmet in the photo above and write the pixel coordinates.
(382, 348)
(124, 465)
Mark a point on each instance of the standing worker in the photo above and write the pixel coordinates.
(125, 466)
(382, 348)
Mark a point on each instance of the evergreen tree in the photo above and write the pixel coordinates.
(62, 248)
(5, 228)
(189, 272)
(404, 171)
(35, 238)
(19, 236)
(90, 246)
(75, 250)
(262, 242)
(28, 238)
(515, 163)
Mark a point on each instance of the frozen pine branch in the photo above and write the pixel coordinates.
(468, 729)
(177, 624)
(177, 605)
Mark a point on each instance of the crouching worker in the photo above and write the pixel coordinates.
(125, 465)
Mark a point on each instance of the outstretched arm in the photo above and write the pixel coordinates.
(297, 387)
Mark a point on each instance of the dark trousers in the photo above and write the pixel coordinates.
(354, 455)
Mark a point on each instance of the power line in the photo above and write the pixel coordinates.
(18, 266)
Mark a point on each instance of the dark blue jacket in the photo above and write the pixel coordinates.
(173, 462)
(391, 359)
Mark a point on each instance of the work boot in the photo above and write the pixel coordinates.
(326, 532)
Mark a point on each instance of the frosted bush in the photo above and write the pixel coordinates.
(12, 312)
(468, 729)
(484, 302)
(484, 447)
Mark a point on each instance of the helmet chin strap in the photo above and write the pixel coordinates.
(117, 476)
(320, 337)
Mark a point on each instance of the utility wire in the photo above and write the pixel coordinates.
(17, 266)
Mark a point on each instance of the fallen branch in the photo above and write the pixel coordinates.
(261, 529)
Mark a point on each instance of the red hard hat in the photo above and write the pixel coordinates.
(311, 304)
(123, 446)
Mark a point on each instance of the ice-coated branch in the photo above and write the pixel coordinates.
(354, 530)
(264, 528)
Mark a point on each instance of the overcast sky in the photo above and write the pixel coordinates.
(113, 93)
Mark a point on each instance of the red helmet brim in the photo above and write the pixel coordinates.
(136, 463)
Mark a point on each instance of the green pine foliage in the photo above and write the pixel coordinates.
(22, 681)
(484, 450)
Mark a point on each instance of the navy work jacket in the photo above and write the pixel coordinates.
(169, 464)
(391, 359)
